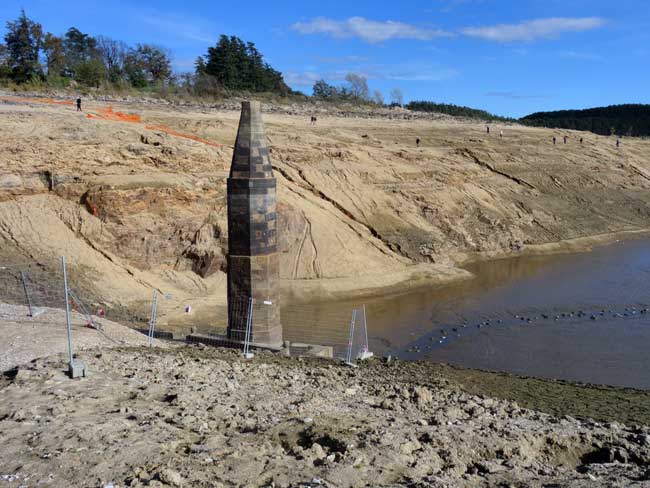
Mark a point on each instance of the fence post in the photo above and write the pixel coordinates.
(351, 338)
(365, 328)
(249, 326)
(76, 369)
(23, 278)
(152, 319)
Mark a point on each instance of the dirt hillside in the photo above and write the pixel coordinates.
(139, 202)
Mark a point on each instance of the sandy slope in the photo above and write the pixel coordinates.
(361, 208)
(25, 338)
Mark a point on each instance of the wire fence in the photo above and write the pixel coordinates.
(39, 285)
(345, 329)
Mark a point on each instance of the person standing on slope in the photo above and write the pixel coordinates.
(78, 104)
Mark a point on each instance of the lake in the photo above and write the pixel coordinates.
(579, 317)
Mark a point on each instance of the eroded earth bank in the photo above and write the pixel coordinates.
(139, 205)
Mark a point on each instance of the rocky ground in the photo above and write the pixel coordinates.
(362, 210)
(207, 418)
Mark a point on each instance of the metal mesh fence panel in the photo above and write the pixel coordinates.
(328, 325)
(36, 285)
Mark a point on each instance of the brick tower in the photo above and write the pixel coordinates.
(253, 261)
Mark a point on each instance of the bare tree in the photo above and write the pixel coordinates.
(396, 96)
(378, 97)
(357, 86)
(113, 54)
(54, 54)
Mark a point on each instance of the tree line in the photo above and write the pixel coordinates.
(355, 89)
(624, 120)
(455, 111)
(30, 54)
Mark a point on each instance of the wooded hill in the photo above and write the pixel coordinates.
(623, 120)
(454, 110)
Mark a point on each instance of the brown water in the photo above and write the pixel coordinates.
(577, 317)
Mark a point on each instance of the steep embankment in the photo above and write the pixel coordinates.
(361, 208)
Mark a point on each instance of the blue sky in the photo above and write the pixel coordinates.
(509, 57)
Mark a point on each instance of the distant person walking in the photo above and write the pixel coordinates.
(417, 142)
(554, 140)
(313, 120)
(581, 140)
(78, 104)
(565, 139)
(487, 128)
(618, 142)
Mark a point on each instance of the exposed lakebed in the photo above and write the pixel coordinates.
(578, 317)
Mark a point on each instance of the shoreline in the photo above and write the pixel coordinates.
(423, 276)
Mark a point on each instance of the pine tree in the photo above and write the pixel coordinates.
(236, 65)
(24, 39)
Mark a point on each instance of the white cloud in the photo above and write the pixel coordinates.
(307, 78)
(367, 30)
(534, 29)
(411, 71)
(580, 55)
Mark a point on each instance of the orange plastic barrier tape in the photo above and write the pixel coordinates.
(37, 100)
(109, 114)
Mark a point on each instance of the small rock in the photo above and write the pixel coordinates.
(170, 477)
(410, 446)
(422, 396)
(317, 451)
(19, 415)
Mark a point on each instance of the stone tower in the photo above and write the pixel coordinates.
(253, 261)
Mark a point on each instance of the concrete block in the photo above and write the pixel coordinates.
(77, 369)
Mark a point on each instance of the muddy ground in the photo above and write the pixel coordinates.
(207, 418)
